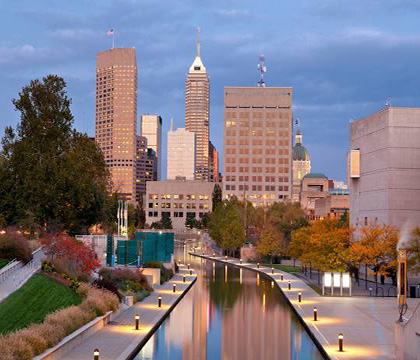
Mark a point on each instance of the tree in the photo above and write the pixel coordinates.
(414, 251)
(377, 249)
(271, 242)
(216, 196)
(49, 173)
(164, 223)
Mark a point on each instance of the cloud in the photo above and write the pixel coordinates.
(22, 53)
(233, 14)
(76, 34)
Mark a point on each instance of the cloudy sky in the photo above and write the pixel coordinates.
(342, 58)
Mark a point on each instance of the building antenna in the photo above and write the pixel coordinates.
(111, 33)
(172, 124)
(388, 102)
(262, 69)
(198, 42)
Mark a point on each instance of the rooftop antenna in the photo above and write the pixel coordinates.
(198, 42)
(262, 69)
(172, 124)
(388, 102)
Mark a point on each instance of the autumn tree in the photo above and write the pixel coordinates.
(271, 242)
(414, 251)
(377, 249)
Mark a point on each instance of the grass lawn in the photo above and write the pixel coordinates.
(33, 301)
(286, 268)
(3, 263)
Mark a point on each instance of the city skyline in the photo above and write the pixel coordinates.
(336, 67)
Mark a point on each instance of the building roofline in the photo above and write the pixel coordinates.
(386, 108)
(257, 87)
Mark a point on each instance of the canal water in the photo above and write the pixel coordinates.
(230, 314)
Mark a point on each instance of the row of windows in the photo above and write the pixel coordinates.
(257, 187)
(254, 160)
(267, 170)
(255, 124)
(272, 142)
(179, 196)
(269, 133)
(284, 179)
(177, 214)
(255, 151)
(179, 205)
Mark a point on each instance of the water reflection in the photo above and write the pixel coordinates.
(226, 315)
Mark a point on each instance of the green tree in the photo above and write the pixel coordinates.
(232, 230)
(216, 196)
(165, 222)
(50, 174)
(271, 242)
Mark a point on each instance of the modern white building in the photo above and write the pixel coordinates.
(181, 154)
(151, 129)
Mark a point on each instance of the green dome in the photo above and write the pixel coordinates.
(300, 153)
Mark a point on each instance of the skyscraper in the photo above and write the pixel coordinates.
(213, 163)
(181, 154)
(116, 116)
(146, 166)
(151, 129)
(197, 112)
(257, 143)
(301, 164)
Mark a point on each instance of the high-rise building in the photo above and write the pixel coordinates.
(384, 168)
(197, 112)
(181, 154)
(214, 163)
(258, 144)
(146, 166)
(116, 116)
(301, 165)
(151, 128)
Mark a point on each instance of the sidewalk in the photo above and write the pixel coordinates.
(119, 339)
(367, 323)
(21, 275)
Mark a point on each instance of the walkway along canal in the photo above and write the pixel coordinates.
(233, 314)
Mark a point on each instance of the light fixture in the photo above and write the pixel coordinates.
(272, 270)
(340, 341)
(300, 297)
(258, 265)
(188, 266)
(225, 257)
(96, 354)
(137, 319)
(315, 314)
(281, 277)
(289, 285)
(183, 280)
(190, 271)
(240, 261)
(174, 287)
(160, 301)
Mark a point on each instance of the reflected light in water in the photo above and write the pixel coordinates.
(352, 351)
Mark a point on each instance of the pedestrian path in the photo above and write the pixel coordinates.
(367, 324)
(19, 274)
(119, 339)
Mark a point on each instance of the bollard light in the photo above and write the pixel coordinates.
(300, 297)
(174, 287)
(137, 319)
(315, 314)
(340, 342)
(272, 270)
(160, 301)
(225, 257)
(281, 277)
(214, 254)
(188, 266)
(96, 354)
(258, 265)
(190, 271)
(240, 261)
(289, 285)
(272, 284)
(179, 262)
(183, 280)
(370, 291)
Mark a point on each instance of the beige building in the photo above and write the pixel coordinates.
(314, 186)
(301, 165)
(197, 112)
(179, 199)
(258, 144)
(151, 129)
(181, 154)
(335, 204)
(116, 116)
(384, 168)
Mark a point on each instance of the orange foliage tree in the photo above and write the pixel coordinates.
(377, 249)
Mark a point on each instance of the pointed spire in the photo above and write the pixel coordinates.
(172, 124)
(198, 42)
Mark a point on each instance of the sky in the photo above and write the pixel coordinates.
(343, 59)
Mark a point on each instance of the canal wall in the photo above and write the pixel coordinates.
(367, 324)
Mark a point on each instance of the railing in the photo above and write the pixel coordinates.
(9, 269)
(25, 273)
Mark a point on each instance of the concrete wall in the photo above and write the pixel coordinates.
(407, 337)
(388, 190)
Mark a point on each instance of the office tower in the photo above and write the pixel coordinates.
(197, 112)
(146, 166)
(257, 144)
(384, 164)
(181, 154)
(116, 116)
(151, 128)
(214, 163)
(301, 164)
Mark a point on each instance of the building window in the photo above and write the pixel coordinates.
(366, 220)
(190, 215)
(166, 213)
(150, 205)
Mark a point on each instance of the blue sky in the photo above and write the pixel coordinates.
(343, 59)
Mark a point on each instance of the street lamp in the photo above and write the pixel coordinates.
(190, 271)
(315, 313)
(96, 354)
(240, 261)
(137, 319)
(272, 270)
(183, 280)
(281, 277)
(258, 265)
(340, 342)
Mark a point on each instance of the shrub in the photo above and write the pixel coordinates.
(21, 349)
(119, 276)
(50, 333)
(38, 344)
(5, 349)
(14, 245)
(108, 285)
(140, 295)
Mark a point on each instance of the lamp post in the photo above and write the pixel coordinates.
(96, 354)
(188, 266)
(300, 297)
(281, 277)
(272, 270)
(340, 342)
(183, 279)
(137, 319)
(174, 288)
(258, 265)
(190, 271)
(289, 285)
(315, 313)
(160, 301)
(240, 261)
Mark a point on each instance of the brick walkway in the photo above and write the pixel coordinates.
(119, 339)
(367, 323)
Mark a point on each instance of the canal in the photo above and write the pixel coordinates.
(230, 314)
